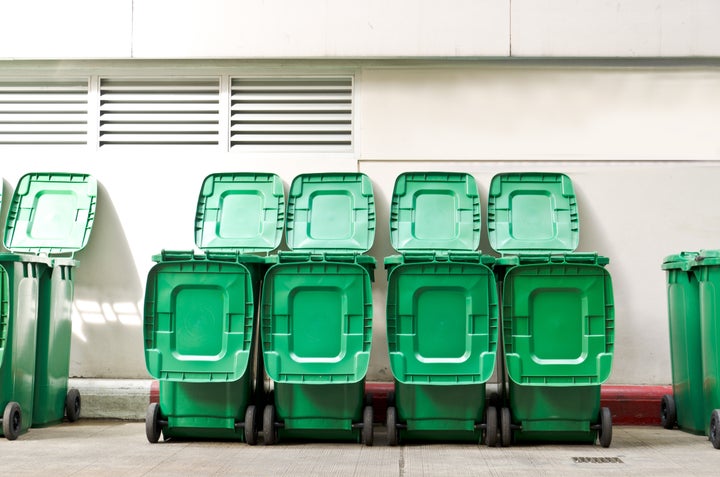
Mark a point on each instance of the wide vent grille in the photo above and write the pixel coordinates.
(313, 114)
(159, 111)
(39, 112)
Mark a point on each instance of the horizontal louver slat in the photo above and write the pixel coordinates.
(159, 111)
(309, 113)
(43, 112)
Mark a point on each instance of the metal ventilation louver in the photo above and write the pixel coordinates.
(43, 112)
(313, 114)
(170, 111)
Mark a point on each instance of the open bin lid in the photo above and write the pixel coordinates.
(51, 213)
(331, 212)
(240, 212)
(532, 212)
(435, 211)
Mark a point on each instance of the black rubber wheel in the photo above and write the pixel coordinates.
(12, 421)
(491, 426)
(505, 427)
(251, 425)
(270, 436)
(715, 428)
(605, 432)
(391, 424)
(152, 423)
(73, 405)
(668, 413)
(367, 429)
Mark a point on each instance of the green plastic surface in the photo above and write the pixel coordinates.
(558, 324)
(683, 293)
(316, 322)
(320, 412)
(205, 410)
(447, 413)
(241, 212)
(331, 212)
(555, 414)
(51, 213)
(708, 277)
(19, 313)
(435, 211)
(532, 212)
(442, 323)
(54, 333)
(198, 320)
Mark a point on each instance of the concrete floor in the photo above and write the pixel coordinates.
(102, 447)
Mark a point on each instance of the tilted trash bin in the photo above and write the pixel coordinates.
(442, 312)
(200, 313)
(558, 313)
(317, 312)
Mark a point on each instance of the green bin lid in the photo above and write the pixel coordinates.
(51, 213)
(680, 261)
(532, 212)
(331, 212)
(240, 212)
(435, 211)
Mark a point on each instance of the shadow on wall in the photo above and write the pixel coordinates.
(107, 311)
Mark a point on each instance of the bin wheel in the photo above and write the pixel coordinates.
(494, 399)
(73, 404)
(505, 427)
(12, 421)
(251, 425)
(367, 429)
(715, 428)
(152, 423)
(605, 433)
(391, 424)
(491, 426)
(668, 412)
(270, 434)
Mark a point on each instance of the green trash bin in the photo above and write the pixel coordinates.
(442, 312)
(557, 316)
(200, 313)
(686, 406)
(693, 297)
(50, 214)
(317, 312)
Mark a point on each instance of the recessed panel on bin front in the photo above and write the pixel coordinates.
(435, 211)
(331, 212)
(532, 212)
(317, 322)
(558, 322)
(442, 323)
(240, 211)
(198, 321)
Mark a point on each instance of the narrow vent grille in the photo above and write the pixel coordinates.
(43, 112)
(170, 111)
(313, 114)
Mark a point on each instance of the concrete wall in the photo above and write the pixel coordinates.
(46, 29)
(639, 140)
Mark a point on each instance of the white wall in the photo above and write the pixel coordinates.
(640, 143)
(281, 29)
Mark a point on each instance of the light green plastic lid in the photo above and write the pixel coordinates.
(532, 212)
(240, 212)
(435, 211)
(331, 212)
(51, 213)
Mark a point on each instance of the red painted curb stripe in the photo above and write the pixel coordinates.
(630, 405)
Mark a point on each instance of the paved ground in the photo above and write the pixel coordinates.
(98, 447)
